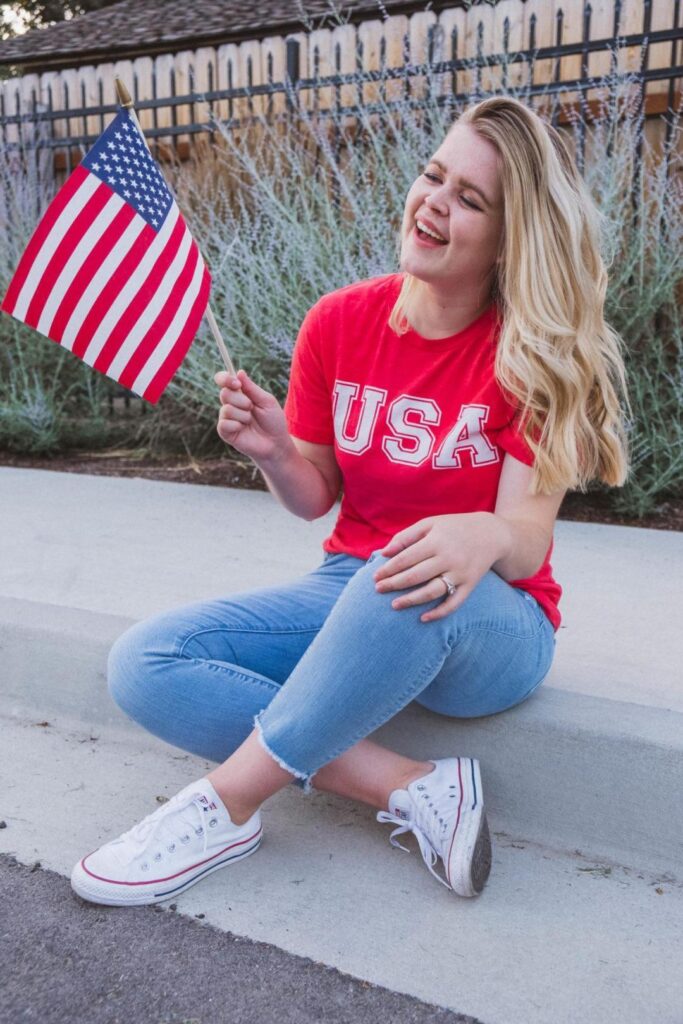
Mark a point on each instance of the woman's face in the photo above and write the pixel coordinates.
(460, 197)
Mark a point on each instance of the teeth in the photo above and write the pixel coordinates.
(428, 231)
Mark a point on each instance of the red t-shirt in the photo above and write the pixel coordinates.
(419, 426)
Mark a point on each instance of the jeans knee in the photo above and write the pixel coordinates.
(126, 676)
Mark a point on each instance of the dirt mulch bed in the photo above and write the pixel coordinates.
(227, 472)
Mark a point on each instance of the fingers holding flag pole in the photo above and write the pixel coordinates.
(125, 100)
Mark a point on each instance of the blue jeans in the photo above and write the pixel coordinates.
(320, 663)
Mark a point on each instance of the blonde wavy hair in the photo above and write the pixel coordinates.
(556, 358)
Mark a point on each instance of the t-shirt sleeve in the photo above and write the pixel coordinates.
(510, 439)
(308, 405)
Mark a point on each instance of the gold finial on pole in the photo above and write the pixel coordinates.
(123, 94)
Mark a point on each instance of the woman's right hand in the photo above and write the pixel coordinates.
(250, 419)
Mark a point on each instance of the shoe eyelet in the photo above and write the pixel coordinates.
(199, 831)
(157, 856)
(184, 839)
(213, 822)
(452, 796)
(171, 848)
(451, 787)
(419, 787)
(144, 867)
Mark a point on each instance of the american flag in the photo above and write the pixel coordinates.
(112, 272)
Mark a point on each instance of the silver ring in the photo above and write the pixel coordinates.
(451, 587)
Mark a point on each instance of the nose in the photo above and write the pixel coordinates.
(434, 202)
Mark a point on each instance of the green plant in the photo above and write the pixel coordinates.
(287, 210)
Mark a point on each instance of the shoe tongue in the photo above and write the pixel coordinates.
(205, 792)
(399, 804)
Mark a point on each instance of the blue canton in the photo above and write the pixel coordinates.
(120, 158)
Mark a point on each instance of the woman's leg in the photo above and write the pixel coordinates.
(197, 675)
(370, 660)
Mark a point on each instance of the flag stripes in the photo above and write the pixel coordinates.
(124, 290)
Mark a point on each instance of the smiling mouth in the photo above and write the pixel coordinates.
(427, 234)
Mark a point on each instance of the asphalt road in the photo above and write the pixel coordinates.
(65, 960)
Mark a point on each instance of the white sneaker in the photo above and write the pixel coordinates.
(445, 810)
(177, 845)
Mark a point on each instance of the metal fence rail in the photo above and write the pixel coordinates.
(64, 130)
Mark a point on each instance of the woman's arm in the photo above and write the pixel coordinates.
(524, 522)
(303, 479)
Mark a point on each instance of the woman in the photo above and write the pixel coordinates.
(456, 401)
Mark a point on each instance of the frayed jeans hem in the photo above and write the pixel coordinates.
(301, 779)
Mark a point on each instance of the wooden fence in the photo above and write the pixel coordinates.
(565, 51)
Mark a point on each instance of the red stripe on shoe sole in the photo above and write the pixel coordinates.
(168, 878)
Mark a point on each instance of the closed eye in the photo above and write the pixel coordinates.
(467, 202)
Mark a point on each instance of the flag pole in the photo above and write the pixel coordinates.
(126, 101)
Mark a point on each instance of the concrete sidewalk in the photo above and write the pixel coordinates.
(582, 782)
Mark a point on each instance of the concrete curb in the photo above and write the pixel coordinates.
(563, 769)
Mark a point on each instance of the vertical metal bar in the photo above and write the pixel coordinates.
(292, 74)
(645, 61)
(480, 53)
(430, 61)
(36, 148)
(50, 107)
(269, 77)
(406, 64)
(174, 113)
(155, 114)
(454, 57)
(84, 104)
(613, 69)
(193, 92)
(559, 31)
(531, 62)
(230, 98)
(211, 106)
(670, 115)
(506, 51)
(383, 69)
(336, 190)
(583, 102)
(100, 100)
(20, 127)
(616, 25)
(3, 114)
(316, 76)
(67, 119)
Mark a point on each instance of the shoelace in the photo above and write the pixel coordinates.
(140, 833)
(429, 854)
